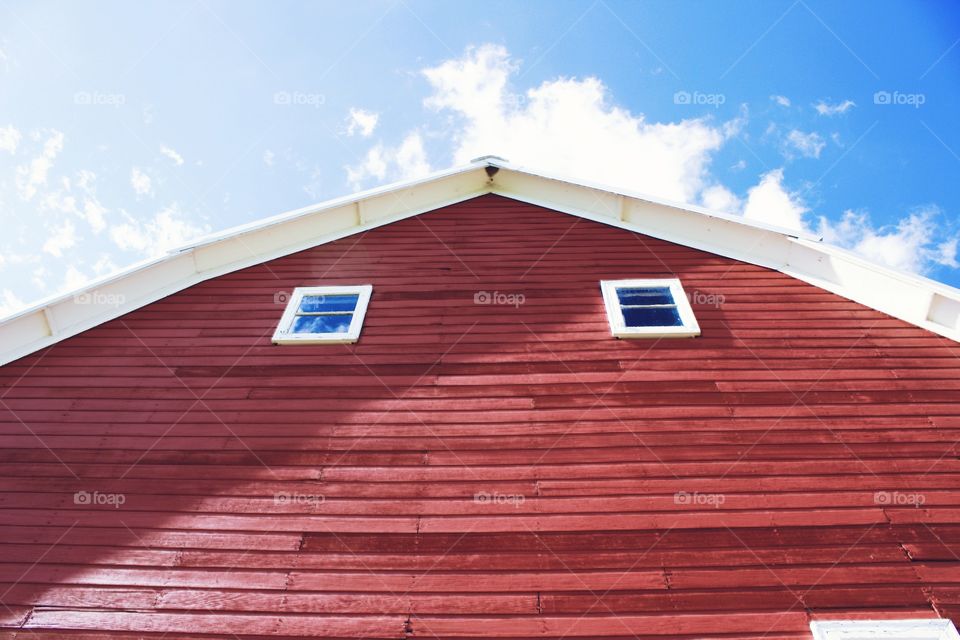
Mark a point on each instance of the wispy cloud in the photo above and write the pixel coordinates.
(808, 145)
(167, 229)
(33, 175)
(141, 182)
(406, 161)
(63, 237)
(10, 303)
(9, 139)
(911, 244)
(172, 154)
(825, 109)
(361, 122)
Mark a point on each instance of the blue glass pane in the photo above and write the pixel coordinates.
(651, 317)
(326, 304)
(645, 295)
(322, 324)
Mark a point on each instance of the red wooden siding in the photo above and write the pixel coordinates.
(730, 486)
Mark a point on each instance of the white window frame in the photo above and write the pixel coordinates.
(688, 329)
(283, 334)
(919, 629)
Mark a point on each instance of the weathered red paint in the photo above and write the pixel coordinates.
(474, 470)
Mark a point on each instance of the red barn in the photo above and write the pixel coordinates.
(489, 403)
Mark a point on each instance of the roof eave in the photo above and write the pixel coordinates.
(920, 301)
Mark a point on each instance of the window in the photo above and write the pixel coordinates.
(648, 309)
(923, 629)
(323, 315)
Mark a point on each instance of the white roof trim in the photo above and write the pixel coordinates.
(796, 233)
(920, 301)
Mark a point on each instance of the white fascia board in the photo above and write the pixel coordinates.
(933, 306)
(62, 316)
(727, 238)
(320, 226)
(105, 299)
(369, 194)
(260, 225)
(920, 301)
(636, 195)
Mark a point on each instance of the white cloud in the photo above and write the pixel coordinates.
(10, 303)
(374, 165)
(718, 198)
(88, 208)
(92, 211)
(569, 126)
(141, 182)
(411, 158)
(362, 122)
(33, 175)
(946, 254)
(39, 278)
(268, 157)
(10, 257)
(104, 265)
(9, 139)
(404, 162)
(167, 229)
(172, 154)
(73, 279)
(63, 237)
(771, 203)
(57, 201)
(808, 145)
(909, 245)
(840, 108)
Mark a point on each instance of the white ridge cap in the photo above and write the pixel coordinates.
(490, 159)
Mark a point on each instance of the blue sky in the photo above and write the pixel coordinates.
(128, 128)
